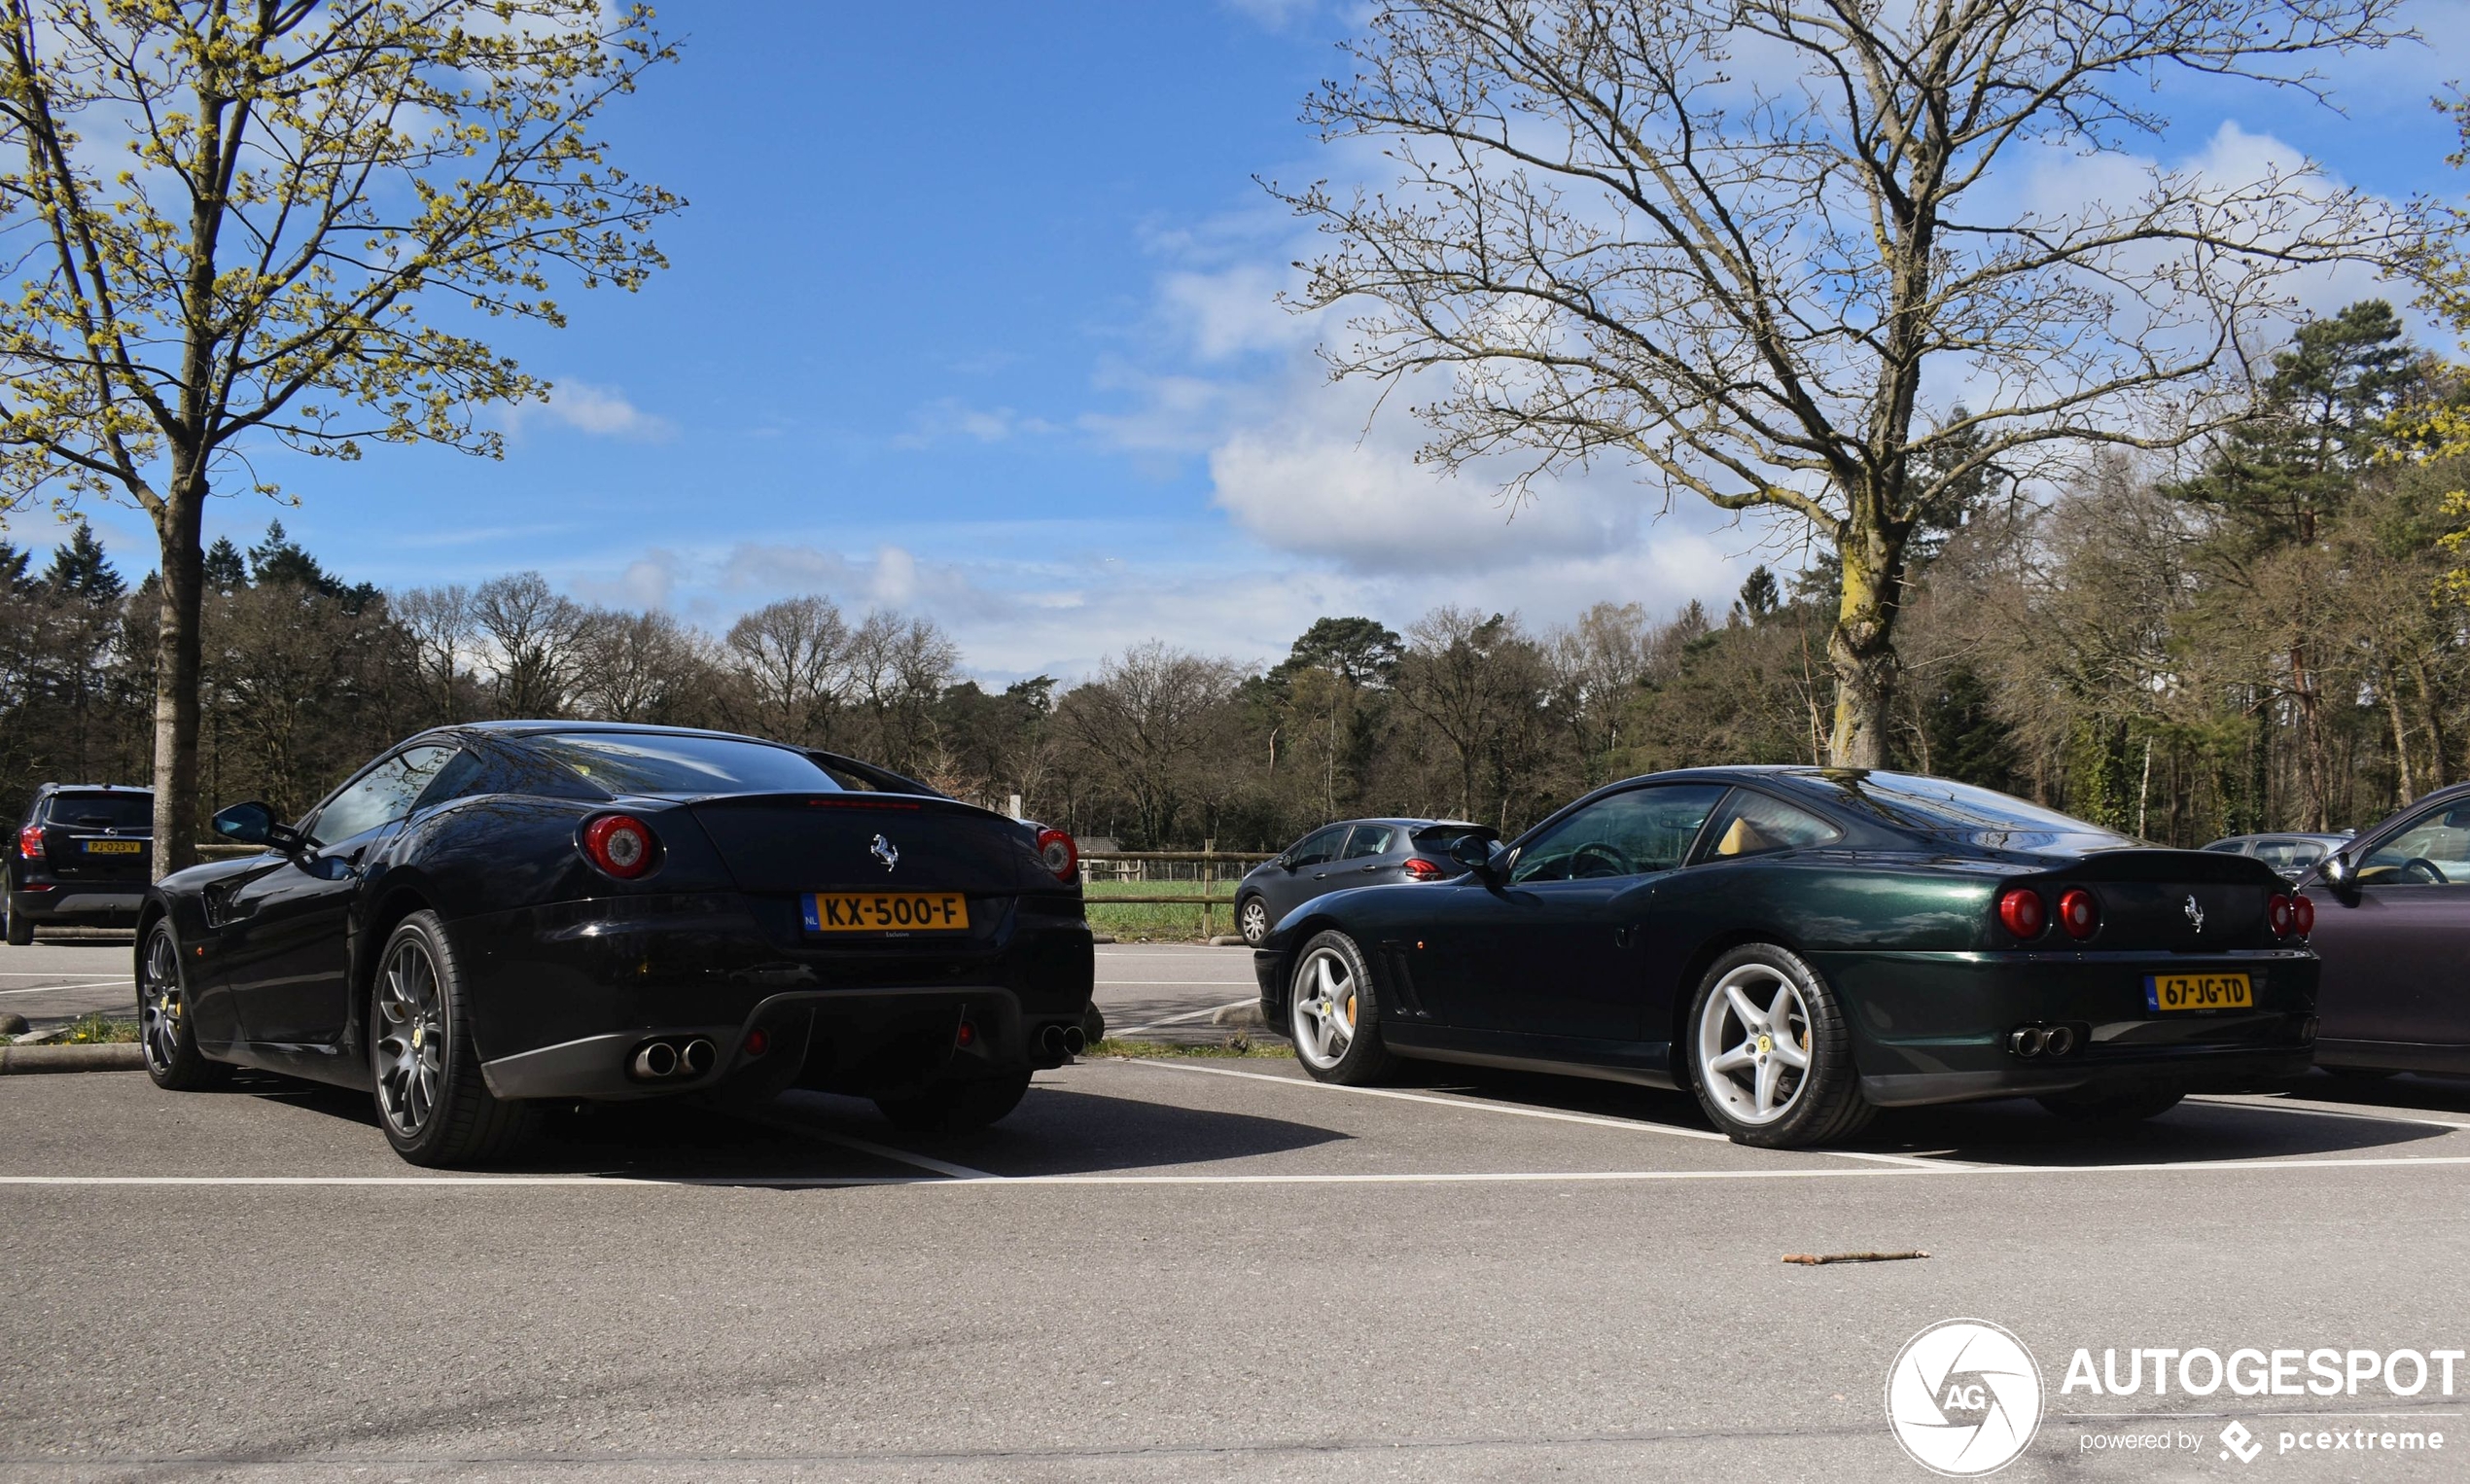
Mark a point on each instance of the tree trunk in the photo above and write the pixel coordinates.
(1862, 647)
(178, 525)
(2391, 688)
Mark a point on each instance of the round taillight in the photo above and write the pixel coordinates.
(621, 845)
(2277, 915)
(1059, 852)
(2078, 912)
(2020, 912)
(2302, 915)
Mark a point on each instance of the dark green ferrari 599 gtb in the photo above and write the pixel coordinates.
(1803, 946)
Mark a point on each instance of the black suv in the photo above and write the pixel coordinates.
(82, 856)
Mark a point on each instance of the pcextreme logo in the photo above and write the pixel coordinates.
(1963, 1398)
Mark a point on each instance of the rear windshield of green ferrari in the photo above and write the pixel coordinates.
(1938, 805)
(103, 811)
(650, 762)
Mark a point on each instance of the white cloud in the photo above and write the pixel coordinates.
(948, 418)
(601, 412)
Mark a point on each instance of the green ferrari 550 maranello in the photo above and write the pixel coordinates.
(1803, 946)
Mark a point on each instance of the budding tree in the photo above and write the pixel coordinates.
(231, 221)
(1769, 252)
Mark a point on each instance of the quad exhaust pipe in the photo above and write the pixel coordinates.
(658, 1061)
(1061, 1041)
(2030, 1040)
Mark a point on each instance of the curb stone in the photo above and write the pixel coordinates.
(1228, 940)
(1247, 1014)
(124, 1056)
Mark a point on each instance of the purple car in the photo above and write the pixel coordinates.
(2392, 926)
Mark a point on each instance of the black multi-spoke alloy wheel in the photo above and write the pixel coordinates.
(21, 927)
(1333, 1013)
(164, 1029)
(1771, 1053)
(1251, 919)
(430, 1099)
(2134, 1106)
(951, 1108)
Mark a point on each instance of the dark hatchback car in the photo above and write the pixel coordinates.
(1353, 852)
(2393, 925)
(493, 915)
(79, 857)
(1802, 946)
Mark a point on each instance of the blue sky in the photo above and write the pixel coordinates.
(970, 315)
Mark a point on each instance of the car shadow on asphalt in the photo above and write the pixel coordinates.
(797, 1138)
(2014, 1131)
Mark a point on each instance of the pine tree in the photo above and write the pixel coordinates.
(225, 571)
(2320, 417)
(1759, 596)
(80, 571)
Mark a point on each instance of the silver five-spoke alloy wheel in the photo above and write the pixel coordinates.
(1324, 1015)
(161, 1003)
(411, 1037)
(1753, 1043)
(1252, 920)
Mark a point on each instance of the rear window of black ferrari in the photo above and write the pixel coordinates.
(1939, 806)
(103, 811)
(653, 763)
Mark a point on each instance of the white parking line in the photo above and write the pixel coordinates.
(45, 973)
(1468, 1104)
(983, 1181)
(2270, 1104)
(1184, 1019)
(47, 989)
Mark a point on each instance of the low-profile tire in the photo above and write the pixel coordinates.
(1251, 920)
(165, 1028)
(432, 1102)
(1769, 1052)
(19, 926)
(1093, 1026)
(953, 1107)
(2134, 1106)
(1333, 1013)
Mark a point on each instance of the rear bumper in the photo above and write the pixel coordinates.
(564, 997)
(855, 1040)
(1936, 1027)
(99, 904)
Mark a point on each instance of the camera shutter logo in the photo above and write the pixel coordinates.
(1963, 1398)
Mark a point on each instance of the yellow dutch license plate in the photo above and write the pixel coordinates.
(114, 847)
(887, 912)
(2166, 992)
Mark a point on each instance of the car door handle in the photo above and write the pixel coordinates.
(1374, 867)
(1623, 936)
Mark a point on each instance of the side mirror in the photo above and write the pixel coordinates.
(254, 823)
(1475, 853)
(249, 823)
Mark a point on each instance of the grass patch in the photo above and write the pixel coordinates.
(97, 1029)
(1238, 1047)
(1168, 921)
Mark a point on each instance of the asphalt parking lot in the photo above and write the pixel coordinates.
(1185, 1269)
